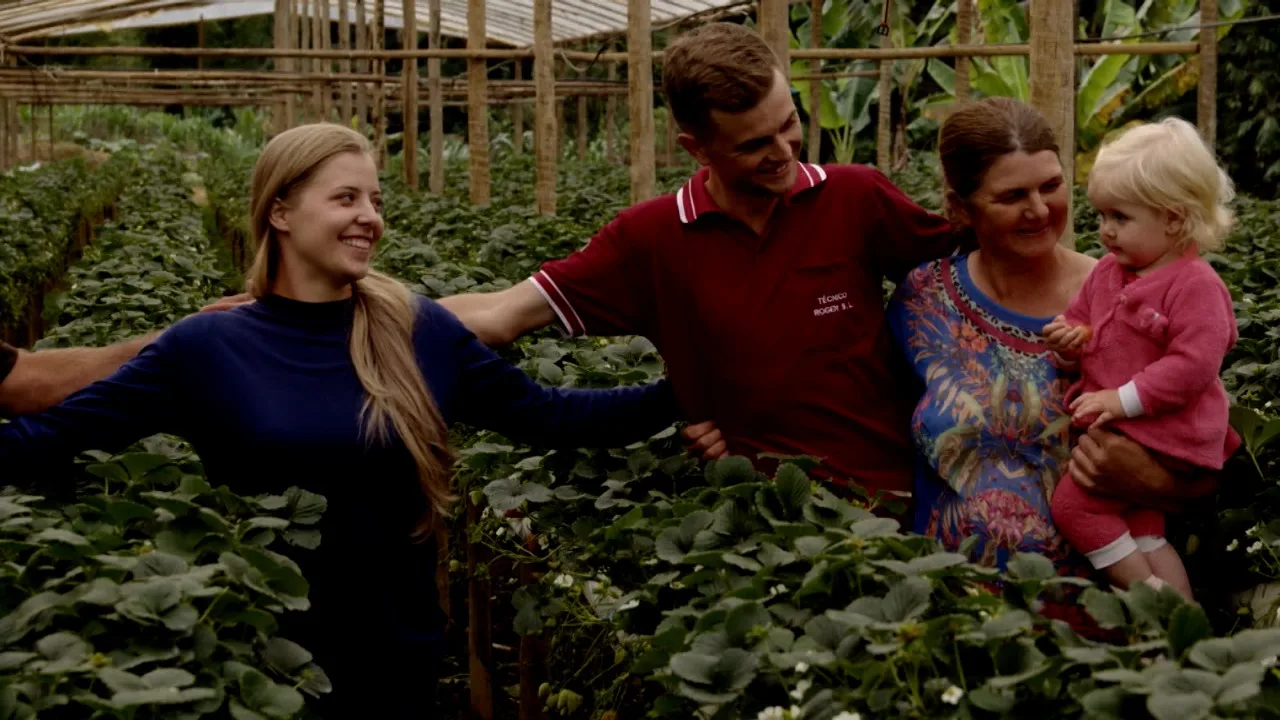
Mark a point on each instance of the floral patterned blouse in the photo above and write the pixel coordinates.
(991, 433)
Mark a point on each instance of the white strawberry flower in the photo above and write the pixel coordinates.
(802, 688)
(772, 713)
(563, 580)
(846, 715)
(952, 695)
(1233, 545)
(802, 667)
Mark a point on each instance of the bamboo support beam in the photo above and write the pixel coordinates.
(282, 24)
(964, 35)
(409, 115)
(640, 101)
(379, 68)
(815, 82)
(479, 625)
(517, 116)
(344, 66)
(773, 18)
(544, 114)
(435, 101)
(326, 66)
(1207, 87)
(582, 128)
(611, 119)
(318, 24)
(477, 110)
(906, 53)
(1053, 78)
(884, 106)
(362, 66)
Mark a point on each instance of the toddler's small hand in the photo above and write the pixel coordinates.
(1065, 339)
(1102, 406)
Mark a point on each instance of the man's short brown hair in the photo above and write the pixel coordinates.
(720, 66)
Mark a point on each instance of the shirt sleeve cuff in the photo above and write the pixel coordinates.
(1130, 401)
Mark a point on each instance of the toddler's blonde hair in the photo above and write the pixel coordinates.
(1167, 166)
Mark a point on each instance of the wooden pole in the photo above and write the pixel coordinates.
(774, 20)
(884, 105)
(5, 163)
(344, 43)
(815, 85)
(409, 95)
(1207, 89)
(477, 108)
(560, 133)
(280, 38)
(640, 100)
(380, 97)
(669, 141)
(582, 128)
(35, 131)
(517, 117)
(200, 42)
(480, 645)
(544, 113)
(532, 659)
(326, 66)
(435, 101)
(50, 118)
(611, 119)
(362, 66)
(1053, 76)
(964, 35)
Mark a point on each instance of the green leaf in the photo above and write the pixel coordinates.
(528, 621)
(745, 619)
(1104, 607)
(668, 546)
(812, 546)
(907, 600)
(1184, 706)
(1032, 566)
(934, 562)
(874, 528)
(163, 696)
(159, 564)
(693, 667)
(168, 678)
(267, 697)
(1188, 626)
(1011, 622)
(12, 660)
(793, 489)
(61, 536)
(120, 680)
(771, 555)
(1214, 654)
(990, 700)
(285, 655)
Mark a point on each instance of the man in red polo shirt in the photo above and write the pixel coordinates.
(759, 281)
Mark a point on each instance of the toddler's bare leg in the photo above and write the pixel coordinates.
(1166, 564)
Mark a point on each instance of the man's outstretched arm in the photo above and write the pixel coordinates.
(39, 380)
(499, 318)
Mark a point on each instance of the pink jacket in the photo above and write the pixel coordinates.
(1166, 332)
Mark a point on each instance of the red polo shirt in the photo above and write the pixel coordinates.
(780, 339)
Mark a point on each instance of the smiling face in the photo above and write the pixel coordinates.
(329, 226)
(753, 152)
(1140, 237)
(1020, 208)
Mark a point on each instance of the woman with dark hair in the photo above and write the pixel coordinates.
(992, 434)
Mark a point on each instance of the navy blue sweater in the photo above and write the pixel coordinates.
(268, 397)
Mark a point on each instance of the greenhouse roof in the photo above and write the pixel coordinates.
(508, 22)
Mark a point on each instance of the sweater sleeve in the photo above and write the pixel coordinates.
(909, 235)
(499, 396)
(136, 401)
(1202, 329)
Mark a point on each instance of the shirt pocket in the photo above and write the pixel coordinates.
(828, 300)
(1147, 322)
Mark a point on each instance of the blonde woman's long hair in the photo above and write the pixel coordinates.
(396, 395)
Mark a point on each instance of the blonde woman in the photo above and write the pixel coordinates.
(1150, 329)
(338, 380)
